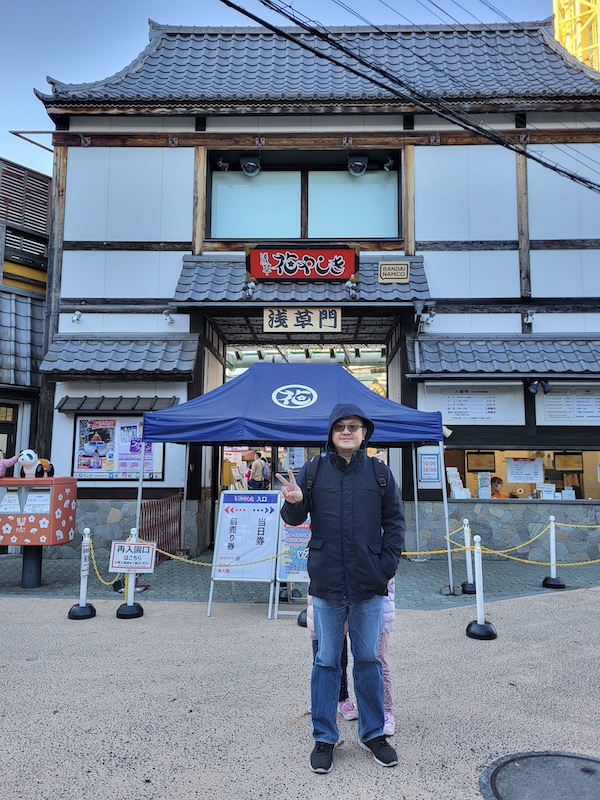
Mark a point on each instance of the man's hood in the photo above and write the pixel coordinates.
(344, 410)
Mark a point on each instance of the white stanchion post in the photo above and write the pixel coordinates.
(468, 586)
(130, 608)
(553, 582)
(480, 629)
(84, 610)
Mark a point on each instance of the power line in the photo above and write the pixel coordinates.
(431, 104)
(563, 147)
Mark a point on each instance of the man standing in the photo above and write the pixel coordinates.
(256, 472)
(357, 538)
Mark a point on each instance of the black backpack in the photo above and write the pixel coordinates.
(313, 467)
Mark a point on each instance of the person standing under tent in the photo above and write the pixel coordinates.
(256, 472)
(354, 550)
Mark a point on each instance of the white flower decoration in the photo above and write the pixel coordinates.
(71, 534)
(60, 497)
(58, 513)
(42, 539)
(64, 523)
(6, 528)
(31, 518)
(44, 523)
(13, 539)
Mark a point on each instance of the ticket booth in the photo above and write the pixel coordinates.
(37, 513)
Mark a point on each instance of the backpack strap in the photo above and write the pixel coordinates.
(311, 472)
(380, 474)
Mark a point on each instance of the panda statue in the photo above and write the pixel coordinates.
(32, 466)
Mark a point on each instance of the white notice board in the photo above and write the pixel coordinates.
(247, 528)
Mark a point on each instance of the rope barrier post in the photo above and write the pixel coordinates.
(130, 610)
(480, 629)
(83, 610)
(468, 586)
(552, 582)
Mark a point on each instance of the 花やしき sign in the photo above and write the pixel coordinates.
(302, 263)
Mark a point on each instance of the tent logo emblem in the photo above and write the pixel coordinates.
(294, 395)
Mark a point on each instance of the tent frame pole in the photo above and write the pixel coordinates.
(138, 508)
(446, 517)
(419, 557)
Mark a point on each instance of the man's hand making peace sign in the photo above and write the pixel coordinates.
(291, 492)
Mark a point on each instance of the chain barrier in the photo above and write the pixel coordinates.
(95, 565)
(457, 548)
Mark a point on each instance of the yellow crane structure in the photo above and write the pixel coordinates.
(577, 28)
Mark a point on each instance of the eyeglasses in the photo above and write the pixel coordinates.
(338, 427)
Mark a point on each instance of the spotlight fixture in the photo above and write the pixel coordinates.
(533, 387)
(250, 165)
(447, 431)
(528, 320)
(223, 165)
(76, 317)
(389, 164)
(546, 388)
(357, 165)
(168, 318)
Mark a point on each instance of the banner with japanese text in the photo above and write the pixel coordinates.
(292, 564)
(302, 263)
(246, 537)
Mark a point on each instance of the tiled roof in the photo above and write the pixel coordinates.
(144, 357)
(222, 67)
(514, 355)
(21, 340)
(206, 280)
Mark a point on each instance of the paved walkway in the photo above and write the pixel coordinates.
(419, 585)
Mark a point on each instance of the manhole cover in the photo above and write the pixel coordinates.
(542, 776)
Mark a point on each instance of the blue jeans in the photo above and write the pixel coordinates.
(364, 623)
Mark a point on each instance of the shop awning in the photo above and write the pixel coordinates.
(117, 405)
(108, 356)
(507, 356)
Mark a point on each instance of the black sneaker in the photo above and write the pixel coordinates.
(383, 753)
(321, 758)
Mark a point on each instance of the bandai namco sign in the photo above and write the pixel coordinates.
(394, 272)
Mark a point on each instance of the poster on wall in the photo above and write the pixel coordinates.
(524, 470)
(112, 448)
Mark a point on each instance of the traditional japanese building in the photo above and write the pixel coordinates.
(24, 236)
(431, 191)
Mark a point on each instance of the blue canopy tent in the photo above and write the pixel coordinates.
(290, 404)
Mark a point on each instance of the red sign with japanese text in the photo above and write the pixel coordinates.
(302, 263)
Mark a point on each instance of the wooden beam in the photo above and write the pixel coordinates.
(200, 189)
(408, 199)
(523, 227)
(321, 141)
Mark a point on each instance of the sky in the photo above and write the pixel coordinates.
(79, 42)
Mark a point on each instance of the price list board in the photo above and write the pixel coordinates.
(569, 406)
(485, 405)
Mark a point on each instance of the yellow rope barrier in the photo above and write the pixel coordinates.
(457, 548)
(100, 578)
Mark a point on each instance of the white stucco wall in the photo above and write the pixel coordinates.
(465, 193)
(129, 194)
